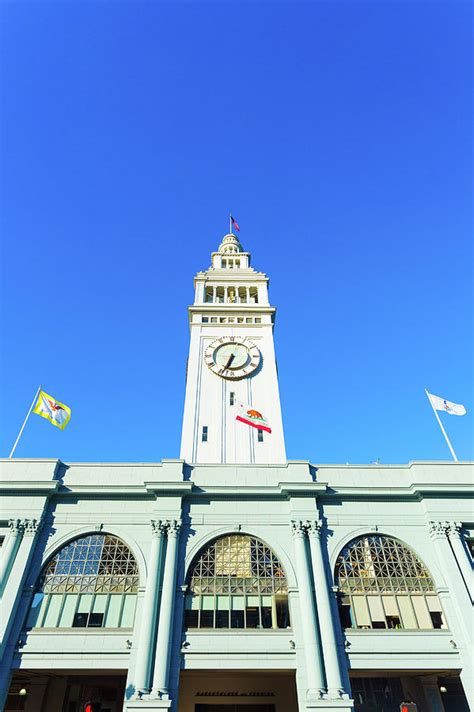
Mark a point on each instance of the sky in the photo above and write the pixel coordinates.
(339, 134)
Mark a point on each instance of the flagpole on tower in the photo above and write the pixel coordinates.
(230, 223)
(442, 429)
(24, 422)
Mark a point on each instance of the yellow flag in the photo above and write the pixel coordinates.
(48, 407)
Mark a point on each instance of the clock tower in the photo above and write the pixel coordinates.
(231, 361)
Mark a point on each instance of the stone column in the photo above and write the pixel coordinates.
(451, 572)
(214, 295)
(314, 661)
(150, 607)
(247, 294)
(461, 620)
(226, 295)
(453, 530)
(14, 586)
(165, 626)
(10, 601)
(9, 550)
(326, 623)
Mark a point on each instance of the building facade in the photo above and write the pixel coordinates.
(231, 579)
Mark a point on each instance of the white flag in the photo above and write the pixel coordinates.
(448, 407)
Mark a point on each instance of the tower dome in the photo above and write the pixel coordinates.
(230, 244)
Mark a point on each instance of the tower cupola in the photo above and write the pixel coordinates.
(230, 244)
(230, 254)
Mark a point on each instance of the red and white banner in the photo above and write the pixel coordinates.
(249, 415)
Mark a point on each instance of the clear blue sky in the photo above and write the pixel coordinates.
(338, 133)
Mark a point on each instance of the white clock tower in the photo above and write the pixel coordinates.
(231, 361)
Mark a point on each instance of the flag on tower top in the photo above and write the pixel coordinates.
(235, 223)
(48, 407)
(445, 405)
(249, 415)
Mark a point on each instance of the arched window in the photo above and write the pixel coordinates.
(90, 583)
(382, 584)
(237, 582)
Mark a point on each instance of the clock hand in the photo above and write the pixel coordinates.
(232, 356)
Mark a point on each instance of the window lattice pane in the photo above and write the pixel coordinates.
(238, 564)
(379, 564)
(97, 563)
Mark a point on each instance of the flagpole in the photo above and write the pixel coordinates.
(230, 223)
(24, 422)
(442, 429)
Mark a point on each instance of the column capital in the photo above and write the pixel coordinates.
(15, 526)
(314, 528)
(298, 528)
(438, 529)
(454, 529)
(31, 526)
(157, 528)
(173, 526)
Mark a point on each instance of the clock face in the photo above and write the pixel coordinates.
(232, 357)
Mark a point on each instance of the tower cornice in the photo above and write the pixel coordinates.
(223, 276)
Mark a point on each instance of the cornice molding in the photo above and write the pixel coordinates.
(38, 487)
(218, 307)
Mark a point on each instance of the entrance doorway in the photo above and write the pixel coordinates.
(237, 691)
